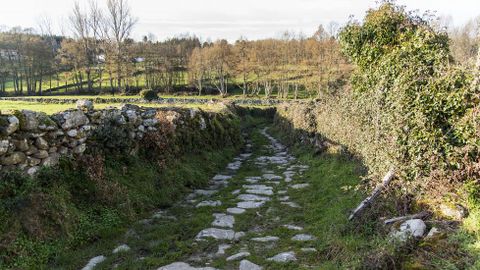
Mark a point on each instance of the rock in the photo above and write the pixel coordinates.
(121, 248)
(13, 125)
(235, 192)
(433, 233)
(209, 203)
(308, 250)
(4, 145)
(456, 211)
(238, 256)
(30, 122)
(293, 227)
(74, 119)
(303, 237)
(21, 145)
(235, 211)
(252, 197)
(284, 198)
(270, 177)
(150, 122)
(221, 177)
(14, 159)
(250, 204)
(291, 204)
(80, 149)
(84, 105)
(299, 186)
(32, 170)
(411, 228)
(33, 161)
(284, 257)
(41, 143)
(41, 154)
(51, 160)
(265, 239)
(183, 266)
(247, 265)
(72, 133)
(93, 262)
(219, 234)
(222, 220)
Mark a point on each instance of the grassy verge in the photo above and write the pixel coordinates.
(63, 217)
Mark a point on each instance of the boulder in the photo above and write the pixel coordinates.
(84, 105)
(41, 143)
(413, 228)
(13, 124)
(13, 159)
(30, 121)
(456, 211)
(21, 145)
(74, 119)
(41, 154)
(4, 145)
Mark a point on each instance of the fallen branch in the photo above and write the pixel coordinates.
(386, 180)
(420, 215)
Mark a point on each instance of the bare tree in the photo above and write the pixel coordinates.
(119, 22)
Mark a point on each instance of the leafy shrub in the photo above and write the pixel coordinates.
(148, 94)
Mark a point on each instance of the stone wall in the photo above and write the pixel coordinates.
(30, 139)
(173, 101)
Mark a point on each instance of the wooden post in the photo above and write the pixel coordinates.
(386, 180)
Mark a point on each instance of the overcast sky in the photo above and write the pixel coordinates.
(229, 19)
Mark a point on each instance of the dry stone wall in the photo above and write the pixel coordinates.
(29, 140)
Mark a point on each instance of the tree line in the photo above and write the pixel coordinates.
(100, 55)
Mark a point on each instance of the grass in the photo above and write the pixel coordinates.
(51, 108)
(100, 218)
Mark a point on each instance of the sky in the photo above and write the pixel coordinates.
(230, 19)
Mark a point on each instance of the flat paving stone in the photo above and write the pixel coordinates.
(284, 198)
(121, 248)
(291, 204)
(267, 192)
(252, 197)
(282, 192)
(284, 257)
(237, 191)
(238, 256)
(299, 186)
(183, 266)
(93, 262)
(269, 176)
(235, 211)
(248, 265)
(209, 203)
(221, 177)
(293, 227)
(223, 220)
(219, 234)
(265, 239)
(303, 237)
(308, 250)
(250, 204)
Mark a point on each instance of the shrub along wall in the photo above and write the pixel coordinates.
(94, 171)
(407, 107)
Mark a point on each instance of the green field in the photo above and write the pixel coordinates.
(51, 108)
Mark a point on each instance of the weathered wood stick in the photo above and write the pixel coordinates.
(386, 180)
(393, 220)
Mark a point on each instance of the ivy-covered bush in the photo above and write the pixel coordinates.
(407, 106)
(149, 94)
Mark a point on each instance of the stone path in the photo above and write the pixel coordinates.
(250, 226)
